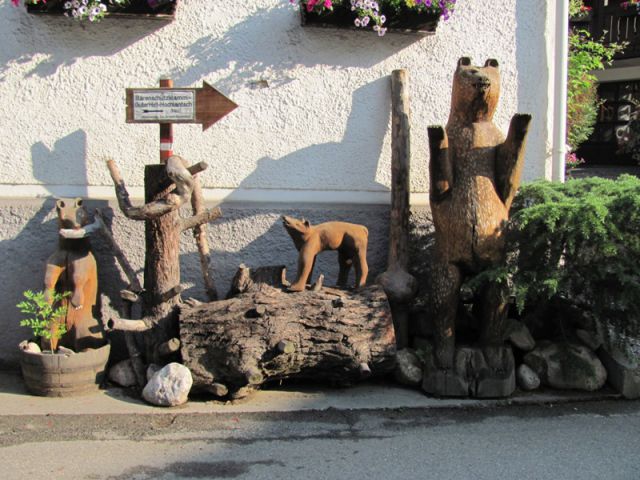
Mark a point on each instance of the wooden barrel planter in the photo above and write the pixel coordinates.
(58, 375)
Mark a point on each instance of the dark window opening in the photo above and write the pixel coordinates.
(616, 137)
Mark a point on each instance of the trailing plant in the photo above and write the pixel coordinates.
(579, 243)
(372, 12)
(45, 317)
(578, 9)
(633, 5)
(572, 161)
(585, 55)
(93, 10)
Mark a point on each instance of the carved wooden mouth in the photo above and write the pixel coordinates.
(483, 85)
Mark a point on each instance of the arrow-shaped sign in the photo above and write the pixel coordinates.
(204, 105)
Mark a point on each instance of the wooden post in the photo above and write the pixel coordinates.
(166, 130)
(162, 263)
(398, 284)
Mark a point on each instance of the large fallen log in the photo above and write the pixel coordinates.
(271, 335)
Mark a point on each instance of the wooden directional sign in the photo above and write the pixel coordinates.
(204, 105)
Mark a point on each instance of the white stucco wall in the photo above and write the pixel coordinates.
(314, 116)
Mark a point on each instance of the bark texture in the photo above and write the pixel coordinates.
(267, 335)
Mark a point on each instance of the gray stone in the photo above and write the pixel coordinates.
(527, 379)
(623, 373)
(217, 389)
(122, 374)
(169, 387)
(471, 375)
(520, 336)
(151, 370)
(589, 339)
(567, 366)
(408, 368)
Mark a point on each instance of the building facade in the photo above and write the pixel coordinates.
(311, 136)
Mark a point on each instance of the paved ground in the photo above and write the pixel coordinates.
(372, 431)
(593, 440)
(14, 400)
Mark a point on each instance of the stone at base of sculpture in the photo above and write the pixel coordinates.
(349, 239)
(471, 375)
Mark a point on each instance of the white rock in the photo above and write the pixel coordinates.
(527, 379)
(169, 387)
(122, 374)
(29, 347)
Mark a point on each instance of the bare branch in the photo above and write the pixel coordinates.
(176, 171)
(205, 217)
(125, 325)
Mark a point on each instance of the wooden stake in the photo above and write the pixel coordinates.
(398, 284)
(166, 130)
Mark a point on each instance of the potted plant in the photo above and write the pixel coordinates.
(47, 368)
(404, 16)
(96, 10)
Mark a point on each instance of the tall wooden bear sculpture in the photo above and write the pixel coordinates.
(72, 268)
(475, 173)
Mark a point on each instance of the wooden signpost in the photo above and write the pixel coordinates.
(167, 187)
(204, 105)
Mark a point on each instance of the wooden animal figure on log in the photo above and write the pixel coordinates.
(350, 240)
(475, 173)
(72, 268)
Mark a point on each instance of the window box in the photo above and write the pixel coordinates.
(405, 21)
(138, 9)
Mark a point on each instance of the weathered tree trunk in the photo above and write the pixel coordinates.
(268, 334)
(162, 265)
(399, 285)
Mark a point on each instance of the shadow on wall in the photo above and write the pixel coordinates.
(64, 164)
(263, 48)
(63, 41)
(344, 164)
(256, 237)
(335, 165)
(30, 236)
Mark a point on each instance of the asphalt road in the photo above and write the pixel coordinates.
(597, 440)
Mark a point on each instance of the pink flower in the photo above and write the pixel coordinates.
(328, 4)
(311, 4)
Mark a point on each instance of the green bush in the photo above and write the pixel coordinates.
(578, 242)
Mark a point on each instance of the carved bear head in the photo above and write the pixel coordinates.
(297, 229)
(475, 91)
(71, 213)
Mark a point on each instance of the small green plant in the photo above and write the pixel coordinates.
(45, 316)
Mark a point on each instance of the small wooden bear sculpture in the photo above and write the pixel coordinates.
(72, 268)
(475, 173)
(350, 240)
